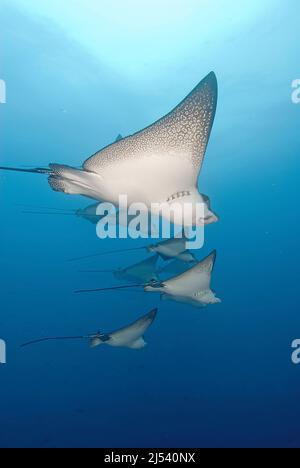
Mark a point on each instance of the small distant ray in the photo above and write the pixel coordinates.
(141, 272)
(90, 213)
(131, 336)
(2, 92)
(173, 248)
(166, 249)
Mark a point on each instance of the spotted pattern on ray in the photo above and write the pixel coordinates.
(206, 266)
(184, 132)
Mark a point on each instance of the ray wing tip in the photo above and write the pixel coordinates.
(212, 77)
(153, 312)
(213, 255)
(211, 81)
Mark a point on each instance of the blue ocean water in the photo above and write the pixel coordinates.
(215, 377)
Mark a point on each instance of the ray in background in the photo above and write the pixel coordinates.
(166, 249)
(141, 272)
(131, 336)
(191, 287)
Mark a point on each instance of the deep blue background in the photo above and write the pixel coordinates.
(221, 376)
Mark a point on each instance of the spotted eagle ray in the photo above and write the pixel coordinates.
(191, 287)
(145, 271)
(89, 213)
(130, 336)
(141, 272)
(159, 164)
(166, 249)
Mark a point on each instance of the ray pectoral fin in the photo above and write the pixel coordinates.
(164, 257)
(149, 318)
(75, 181)
(182, 134)
(137, 344)
(100, 338)
(211, 260)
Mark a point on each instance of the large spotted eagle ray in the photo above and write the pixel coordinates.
(159, 164)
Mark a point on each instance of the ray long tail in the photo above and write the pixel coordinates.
(36, 170)
(108, 252)
(79, 291)
(52, 339)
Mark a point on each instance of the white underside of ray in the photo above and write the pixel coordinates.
(147, 180)
(130, 336)
(201, 300)
(192, 286)
(196, 279)
(173, 248)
